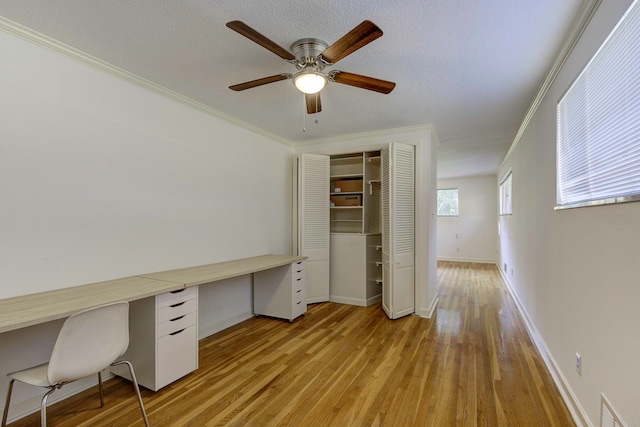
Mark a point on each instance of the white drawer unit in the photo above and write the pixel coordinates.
(281, 292)
(163, 338)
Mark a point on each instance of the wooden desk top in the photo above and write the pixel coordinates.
(27, 310)
(193, 276)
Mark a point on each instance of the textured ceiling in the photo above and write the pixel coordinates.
(470, 67)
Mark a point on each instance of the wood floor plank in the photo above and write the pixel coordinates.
(473, 364)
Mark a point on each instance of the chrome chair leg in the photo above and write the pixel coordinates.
(5, 414)
(101, 390)
(43, 408)
(134, 382)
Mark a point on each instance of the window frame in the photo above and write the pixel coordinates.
(502, 196)
(457, 202)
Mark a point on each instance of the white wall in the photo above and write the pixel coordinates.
(472, 235)
(576, 271)
(101, 179)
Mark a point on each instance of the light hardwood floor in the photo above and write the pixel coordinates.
(472, 364)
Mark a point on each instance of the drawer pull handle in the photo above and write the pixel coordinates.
(299, 262)
(177, 318)
(298, 302)
(177, 305)
(298, 279)
(177, 332)
(298, 271)
(178, 291)
(299, 290)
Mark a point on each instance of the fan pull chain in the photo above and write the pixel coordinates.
(304, 116)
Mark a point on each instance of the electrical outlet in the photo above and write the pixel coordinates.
(579, 364)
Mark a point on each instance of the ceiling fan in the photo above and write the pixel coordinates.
(311, 56)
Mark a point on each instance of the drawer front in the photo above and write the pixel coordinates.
(297, 276)
(176, 310)
(299, 307)
(300, 294)
(175, 297)
(177, 323)
(298, 266)
(298, 287)
(177, 356)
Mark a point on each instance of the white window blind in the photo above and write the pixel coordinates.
(598, 123)
(506, 207)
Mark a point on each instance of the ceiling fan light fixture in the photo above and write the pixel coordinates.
(309, 82)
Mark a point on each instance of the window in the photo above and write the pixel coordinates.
(448, 202)
(598, 123)
(505, 195)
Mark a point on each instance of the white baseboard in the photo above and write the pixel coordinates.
(356, 301)
(476, 260)
(350, 301)
(428, 312)
(578, 413)
(206, 330)
(374, 300)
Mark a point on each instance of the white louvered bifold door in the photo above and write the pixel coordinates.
(398, 230)
(313, 240)
(386, 272)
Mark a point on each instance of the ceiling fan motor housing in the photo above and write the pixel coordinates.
(307, 52)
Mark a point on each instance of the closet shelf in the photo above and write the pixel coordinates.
(340, 193)
(346, 158)
(346, 175)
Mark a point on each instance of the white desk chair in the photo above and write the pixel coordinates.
(88, 342)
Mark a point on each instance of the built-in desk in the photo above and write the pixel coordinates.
(193, 276)
(33, 309)
(28, 310)
(164, 309)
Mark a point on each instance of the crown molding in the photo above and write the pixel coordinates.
(368, 135)
(580, 25)
(47, 42)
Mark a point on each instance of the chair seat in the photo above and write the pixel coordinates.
(35, 376)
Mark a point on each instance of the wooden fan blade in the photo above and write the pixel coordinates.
(360, 36)
(260, 82)
(363, 82)
(245, 30)
(313, 103)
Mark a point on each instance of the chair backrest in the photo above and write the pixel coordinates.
(89, 341)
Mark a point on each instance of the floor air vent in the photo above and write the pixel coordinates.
(608, 417)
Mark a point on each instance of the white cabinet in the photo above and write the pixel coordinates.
(356, 272)
(281, 292)
(163, 338)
